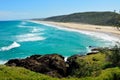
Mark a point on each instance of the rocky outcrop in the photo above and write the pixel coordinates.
(50, 64)
(54, 65)
(73, 64)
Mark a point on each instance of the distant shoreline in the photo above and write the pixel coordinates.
(110, 31)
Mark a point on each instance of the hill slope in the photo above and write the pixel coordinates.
(97, 18)
(17, 73)
(95, 64)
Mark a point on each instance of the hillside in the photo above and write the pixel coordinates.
(93, 70)
(97, 18)
(103, 65)
(17, 73)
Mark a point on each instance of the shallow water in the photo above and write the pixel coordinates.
(19, 39)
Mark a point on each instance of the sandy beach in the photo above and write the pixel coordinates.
(110, 30)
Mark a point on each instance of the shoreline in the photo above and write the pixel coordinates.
(58, 25)
(108, 33)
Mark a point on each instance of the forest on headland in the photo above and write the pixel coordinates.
(96, 18)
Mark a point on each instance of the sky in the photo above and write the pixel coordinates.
(26, 9)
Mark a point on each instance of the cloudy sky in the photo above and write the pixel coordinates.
(25, 9)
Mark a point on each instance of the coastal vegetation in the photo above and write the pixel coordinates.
(59, 40)
(96, 18)
(18, 73)
(104, 65)
(114, 56)
(117, 22)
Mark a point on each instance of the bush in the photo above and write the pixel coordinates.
(84, 66)
(110, 74)
(114, 57)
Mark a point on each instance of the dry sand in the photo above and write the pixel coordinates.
(110, 30)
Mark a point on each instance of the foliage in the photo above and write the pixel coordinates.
(117, 22)
(114, 57)
(90, 65)
(17, 73)
(97, 18)
(110, 74)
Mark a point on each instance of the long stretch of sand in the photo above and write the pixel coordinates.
(110, 30)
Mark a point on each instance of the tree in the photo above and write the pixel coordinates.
(118, 23)
(114, 57)
(116, 20)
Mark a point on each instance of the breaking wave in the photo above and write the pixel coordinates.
(2, 62)
(13, 45)
(23, 23)
(29, 37)
(34, 30)
(103, 36)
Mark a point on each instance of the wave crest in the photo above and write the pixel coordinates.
(103, 36)
(2, 62)
(35, 29)
(23, 23)
(13, 45)
(29, 37)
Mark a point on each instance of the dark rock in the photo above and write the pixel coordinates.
(13, 62)
(35, 57)
(50, 64)
(93, 52)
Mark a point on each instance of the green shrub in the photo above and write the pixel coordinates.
(90, 65)
(110, 74)
(114, 57)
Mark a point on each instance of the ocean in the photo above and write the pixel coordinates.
(20, 39)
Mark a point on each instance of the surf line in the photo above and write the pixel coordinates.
(13, 45)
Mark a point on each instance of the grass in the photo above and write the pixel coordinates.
(17, 73)
(96, 62)
(89, 65)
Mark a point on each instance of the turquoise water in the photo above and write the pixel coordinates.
(19, 39)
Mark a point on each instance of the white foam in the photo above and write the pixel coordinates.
(29, 37)
(88, 49)
(99, 35)
(2, 62)
(23, 23)
(65, 59)
(13, 45)
(24, 26)
(34, 30)
(21, 26)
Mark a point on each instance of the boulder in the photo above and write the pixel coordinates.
(50, 64)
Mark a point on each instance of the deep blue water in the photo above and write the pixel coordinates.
(19, 39)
